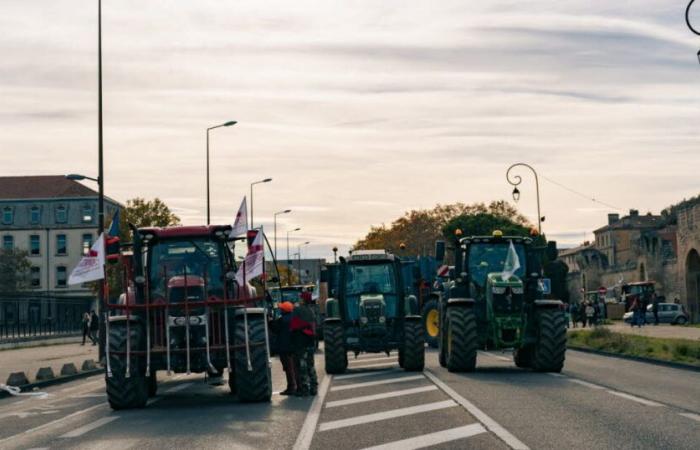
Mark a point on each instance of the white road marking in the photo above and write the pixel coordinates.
(585, 383)
(89, 427)
(488, 422)
(635, 398)
(178, 388)
(373, 355)
(306, 434)
(369, 398)
(431, 439)
(367, 366)
(364, 374)
(502, 358)
(392, 414)
(376, 383)
(93, 384)
(385, 359)
(100, 395)
(556, 375)
(692, 416)
(52, 423)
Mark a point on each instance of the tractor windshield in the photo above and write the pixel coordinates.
(370, 279)
(199, 259)
(488, 257)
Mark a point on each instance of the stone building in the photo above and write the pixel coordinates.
(688, 216)
(586, 266)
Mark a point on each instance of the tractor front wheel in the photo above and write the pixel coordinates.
(431, 322)
(461, 340)
(252, 378)
(126, 390)
(548, 354)
(413, 355)
(523, 357)
(335, 355)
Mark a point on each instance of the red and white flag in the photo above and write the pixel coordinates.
(254, 265)
(92, 266)
(240, 225)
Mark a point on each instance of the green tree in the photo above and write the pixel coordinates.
(484, 224)
(14, 270)
(146, 213)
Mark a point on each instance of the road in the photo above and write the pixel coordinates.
(597, 402)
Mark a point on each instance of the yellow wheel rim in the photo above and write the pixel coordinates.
(432, 323)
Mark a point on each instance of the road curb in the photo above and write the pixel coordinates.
(658, 362)
(57, 380)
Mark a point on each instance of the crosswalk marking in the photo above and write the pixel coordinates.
(586, 383)
(635, 398)
(377, 383)
(402, 412)
(692, 416)
(439, 437)
(365, 374)
(385, 359)
(384, 364)
(89, 427)
(369, 398)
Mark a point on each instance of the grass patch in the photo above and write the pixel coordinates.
(677, 350)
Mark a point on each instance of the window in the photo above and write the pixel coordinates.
(87, 243)
(36, 276)
(8, 242)
(87, 214)
(61, 214)
(8, 215)
(61, 279)
(61, 247)
(35, 215)
(34, 245)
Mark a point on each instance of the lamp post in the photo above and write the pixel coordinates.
(299, 257)
(515, 182)
(335, 254)
(286, 211)
(266, 180)
(226, 124)
(289, 261)
(687, 21)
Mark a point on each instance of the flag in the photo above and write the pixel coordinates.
(91, 266)
(253, 266)
(114, 226)
(240, 225)
(512, 263)
(113, 239)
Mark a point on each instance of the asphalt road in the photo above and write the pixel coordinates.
(597, 402)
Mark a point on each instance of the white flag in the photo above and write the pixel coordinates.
(240, 225)
(254, 261)
(512, 263)
(92, 266)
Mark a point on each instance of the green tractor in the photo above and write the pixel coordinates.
(498, 301)
(371, 311)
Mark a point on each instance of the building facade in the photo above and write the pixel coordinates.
(688, 215)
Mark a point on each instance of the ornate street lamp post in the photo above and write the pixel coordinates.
(515, 182)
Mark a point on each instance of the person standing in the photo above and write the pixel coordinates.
(590, 313)
(94, 326)
(86, 326)
(655, 308)
(582, 313)
(303, 326)
(573, 312)
(282, 327)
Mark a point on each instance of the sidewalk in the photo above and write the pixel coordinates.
(659, 331)
(29, 360)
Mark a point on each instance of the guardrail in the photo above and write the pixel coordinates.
(25, 316)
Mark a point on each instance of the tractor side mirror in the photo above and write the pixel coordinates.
(439, 251)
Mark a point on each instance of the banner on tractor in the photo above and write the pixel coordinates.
(91, 266)
(254, 264)
(240, 225)
(512, 263)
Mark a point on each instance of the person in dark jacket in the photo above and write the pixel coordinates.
(655, 308)
(282, 327)
(303, 328)
(86, 326)
(94, 327)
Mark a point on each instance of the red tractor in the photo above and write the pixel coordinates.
(183, 311)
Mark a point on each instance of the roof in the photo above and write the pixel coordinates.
(635, 222)
(575, 250)
(42, 187)
(188, 231)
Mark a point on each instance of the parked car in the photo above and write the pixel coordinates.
(672, 313)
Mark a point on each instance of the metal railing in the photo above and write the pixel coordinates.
(26, 316)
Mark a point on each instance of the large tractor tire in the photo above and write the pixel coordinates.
(523, 357)
(431, 322)
(126, 392)
(461, 340)
(549, 352)
(152, 384)
(253, 385)
(413, 355)
(335, 355)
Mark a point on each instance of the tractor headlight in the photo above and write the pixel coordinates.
(382, 319)
(498, 290)
(363, 320)
(180, 321)
(517, 290)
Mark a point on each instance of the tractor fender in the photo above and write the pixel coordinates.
(123, 318)
(468, 302)
(240, 311)
(413, 318)
(410, 305)
(332, 309)
(547, 304)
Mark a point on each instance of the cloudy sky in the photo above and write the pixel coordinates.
(359, 110)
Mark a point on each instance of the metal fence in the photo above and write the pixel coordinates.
(35, 316)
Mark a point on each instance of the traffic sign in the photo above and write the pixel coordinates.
(443, 271)
(602, 290)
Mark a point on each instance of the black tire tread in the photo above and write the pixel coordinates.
(123, 392)
(413, 346)
(550, 351)
(462, 329)
(254, 385)
(335, 355)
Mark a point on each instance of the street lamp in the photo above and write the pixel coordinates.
(226, 124)
(289, 261)
(266, 180)
(687, 21)
(286, 211)
(516, 180)
(299, 257)
(335, 254)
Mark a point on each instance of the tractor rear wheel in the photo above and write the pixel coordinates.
(126, 392)
(335, 355)
(461, 340)
(549, 352)
(431, 322)
(413, 355)
(254, 385)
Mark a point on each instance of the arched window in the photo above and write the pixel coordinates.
(8, 215)
(61, 214)
(34, 215)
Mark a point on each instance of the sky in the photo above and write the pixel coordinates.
(359, 110)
